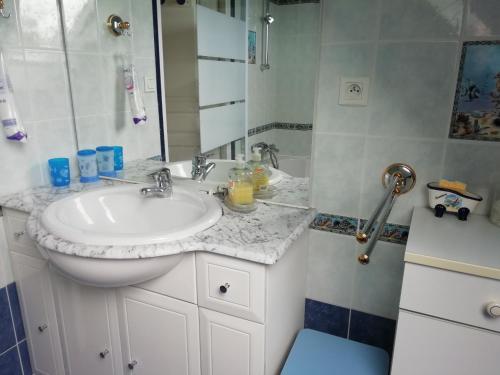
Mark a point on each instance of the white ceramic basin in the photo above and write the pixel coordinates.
(219, 175)
(111, 273)
(122, 216)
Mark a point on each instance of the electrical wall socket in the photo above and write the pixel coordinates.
(354, 91)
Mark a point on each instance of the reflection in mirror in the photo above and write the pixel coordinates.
(97, 57)
(281, 98)
(204, 49)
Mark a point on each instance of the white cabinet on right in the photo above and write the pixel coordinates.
(448, 320)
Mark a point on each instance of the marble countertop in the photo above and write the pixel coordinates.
(262, 236)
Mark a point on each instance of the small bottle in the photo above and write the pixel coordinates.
(260, 174)
(240, 197)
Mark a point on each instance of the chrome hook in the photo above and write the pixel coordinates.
(3, 13)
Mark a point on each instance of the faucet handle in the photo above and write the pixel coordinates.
(199, 159)
(163, 177)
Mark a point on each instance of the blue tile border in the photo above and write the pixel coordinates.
(14, 355)
(393, 233)
(351, 324)
(279, 125)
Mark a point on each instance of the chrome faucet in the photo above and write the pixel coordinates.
(272, 150)
(163, 188)
(201, 169)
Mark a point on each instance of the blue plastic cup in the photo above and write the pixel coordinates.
(59, 172)
(87, 162)
(118, 158)
(106, 161)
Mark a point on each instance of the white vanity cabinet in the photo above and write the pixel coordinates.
(160, 334)
(88, 327)
(35, 296)
(210, 315)
(452, 275)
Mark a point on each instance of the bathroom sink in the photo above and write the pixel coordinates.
(122, 216)
(219, 175)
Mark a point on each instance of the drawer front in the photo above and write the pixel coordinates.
(231, 286)
(450, 295)
(17, 235)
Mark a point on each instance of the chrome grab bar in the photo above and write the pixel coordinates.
(268, 20)
(398, 179)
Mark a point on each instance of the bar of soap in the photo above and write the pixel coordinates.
(453, 185)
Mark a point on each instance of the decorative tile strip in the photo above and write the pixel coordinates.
(394, 233)
(279, 125)
(291, 2)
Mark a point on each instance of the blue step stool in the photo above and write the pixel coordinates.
(318, 353)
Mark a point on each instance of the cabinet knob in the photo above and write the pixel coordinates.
(132, 364)
(42, 328)
(18, 235)
(223, 288)
(493, 309)
(104, 353)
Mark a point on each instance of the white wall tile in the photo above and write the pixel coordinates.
(48, 85)
(351, 60)
(80, 25)
(413, 89)
(142, 28)
(421, 19)
(336, 170)
(110, 43)
(349, 20)
(482, 18)
(331, 268)
(40, 24)
(378, 284)
(9, 27)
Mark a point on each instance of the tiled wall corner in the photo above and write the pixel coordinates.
(14, 356)
(351, 324)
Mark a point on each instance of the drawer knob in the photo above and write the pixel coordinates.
(18, 235)
(493, 309)
(223, 288)
(132, 364)
(104, 353)
(42, 328)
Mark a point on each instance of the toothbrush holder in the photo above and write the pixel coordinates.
(59, 172)
(87, 163)
(106, 161)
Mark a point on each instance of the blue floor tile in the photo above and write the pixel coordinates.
(10, 363)
(7, 337)
(25, 358)
(372, 330)
(16, 312)
(326, 318)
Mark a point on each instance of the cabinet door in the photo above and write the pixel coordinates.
(230, 345)
(160, 335)
(37, 305)
(88, 328)
(426, 345)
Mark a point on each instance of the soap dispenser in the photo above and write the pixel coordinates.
(260, 175)
(240, 187)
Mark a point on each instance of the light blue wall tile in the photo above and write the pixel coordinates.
(421, 19)
(413, 89)
(349, 20)
(330, 276)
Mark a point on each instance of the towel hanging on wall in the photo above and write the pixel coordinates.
(134, 95)
(11, 123)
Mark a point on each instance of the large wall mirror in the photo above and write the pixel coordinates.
(231, 79)
(98, 59)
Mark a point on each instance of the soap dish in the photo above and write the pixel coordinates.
(243, 208)
(266, 194)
